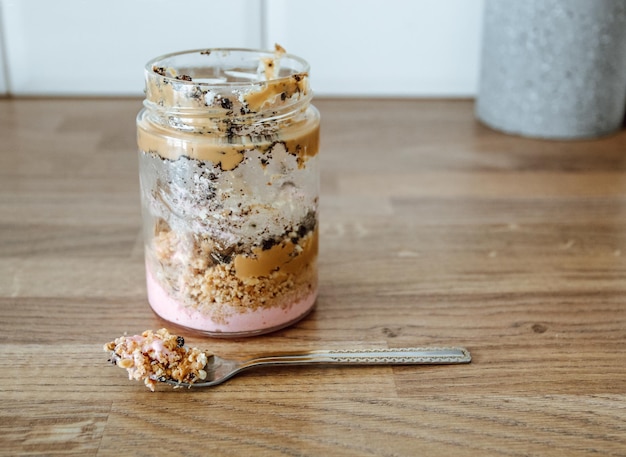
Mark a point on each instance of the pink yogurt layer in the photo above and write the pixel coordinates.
(259, 321)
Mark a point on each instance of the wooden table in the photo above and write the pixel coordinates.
(434, 231)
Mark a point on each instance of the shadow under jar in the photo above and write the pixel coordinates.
(228, 143)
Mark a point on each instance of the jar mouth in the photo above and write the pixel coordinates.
(227, 67)
(238, 81)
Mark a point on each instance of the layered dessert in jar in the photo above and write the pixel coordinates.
(228, 144)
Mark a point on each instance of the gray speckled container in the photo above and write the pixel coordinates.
(553, 68)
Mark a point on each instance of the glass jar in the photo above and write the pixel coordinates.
(228, 144)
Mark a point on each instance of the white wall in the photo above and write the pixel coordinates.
(355, 47)
(3, 69)
(375, 47)
(63, 47)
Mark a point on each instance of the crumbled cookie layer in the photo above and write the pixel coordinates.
(275, 275)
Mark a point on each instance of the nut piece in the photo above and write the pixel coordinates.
(126, 363)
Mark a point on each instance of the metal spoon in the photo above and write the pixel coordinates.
(219, 370)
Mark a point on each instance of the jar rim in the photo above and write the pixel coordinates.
(227, 82)
(162, 61)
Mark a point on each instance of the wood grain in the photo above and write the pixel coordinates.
(434, 231)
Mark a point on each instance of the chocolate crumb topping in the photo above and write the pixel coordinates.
(226, 103)
(269, 243)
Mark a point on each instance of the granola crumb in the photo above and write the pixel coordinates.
(194, 274)
(154, 356)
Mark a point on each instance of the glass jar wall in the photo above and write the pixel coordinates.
(228, 144)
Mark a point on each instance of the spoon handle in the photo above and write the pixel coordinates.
(394, 356)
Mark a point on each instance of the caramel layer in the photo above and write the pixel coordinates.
(285, 88)
(301, 140)
(285, 257)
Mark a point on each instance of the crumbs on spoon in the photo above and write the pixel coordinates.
(158, 356)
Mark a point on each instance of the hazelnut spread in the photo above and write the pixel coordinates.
(228, 146)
